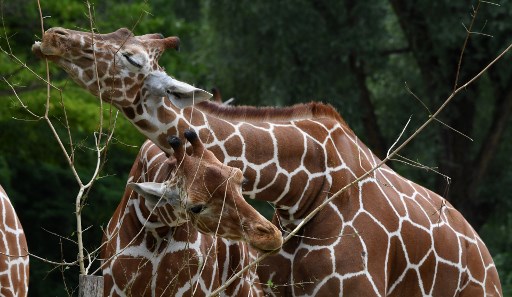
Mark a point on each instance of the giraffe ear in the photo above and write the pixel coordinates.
(184, 95)
(179, 93)
(156, 194)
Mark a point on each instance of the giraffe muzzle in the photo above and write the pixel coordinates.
(51, 44)
(265, 237)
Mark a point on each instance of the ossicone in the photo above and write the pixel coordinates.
(174, 141)
(190, 135)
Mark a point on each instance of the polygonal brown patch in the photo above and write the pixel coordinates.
(269, 194)
(274, 271)
(376, 241)
(325, 228)
(360, 284)
(427, 270)
(314, 161)
(223, 129)
(309, 268)
(474, 260)
(417, 242)
(446, 243)
(409, 286)
(447, 278)
(290, 147)
(258, 145)
(379, 206)
(234, 146)
(348, 253)
(146, 125)
(129, 112)
(332, 287)
(267, 175)
(397, 263)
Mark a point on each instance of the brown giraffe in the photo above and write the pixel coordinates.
(14, 267)
(152, 240)
(386, 236)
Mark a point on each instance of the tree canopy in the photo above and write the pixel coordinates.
(379, 63)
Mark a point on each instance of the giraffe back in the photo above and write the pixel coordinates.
(384, 236)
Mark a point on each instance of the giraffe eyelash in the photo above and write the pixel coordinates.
(132, 61)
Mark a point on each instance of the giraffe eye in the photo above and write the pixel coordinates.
(245, 182)
(196, 209)
(132, 61)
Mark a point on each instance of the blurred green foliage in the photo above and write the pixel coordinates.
(356, 56)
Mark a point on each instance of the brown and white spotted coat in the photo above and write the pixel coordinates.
(152, 246)
(385, 236)
(14, 261)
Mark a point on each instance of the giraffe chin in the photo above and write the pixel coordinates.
(266, 244)
(265, 250)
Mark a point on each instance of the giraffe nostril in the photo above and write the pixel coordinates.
(58, 31)
(263, 229)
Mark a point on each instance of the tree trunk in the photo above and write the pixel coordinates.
(371, 127)
(90, 286)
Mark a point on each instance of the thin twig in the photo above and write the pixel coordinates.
(466, 40)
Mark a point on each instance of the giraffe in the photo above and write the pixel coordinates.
(152, 246)
(385, 236)
(14, 262)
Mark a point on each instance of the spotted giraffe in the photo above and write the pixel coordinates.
(385, 236)
(152, 246)
(14, 263)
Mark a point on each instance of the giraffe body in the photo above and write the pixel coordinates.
(386, 236)
(14, 262)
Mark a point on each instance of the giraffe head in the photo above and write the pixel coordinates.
(209, 193)
(115, 66)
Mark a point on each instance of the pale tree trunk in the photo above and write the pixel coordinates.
(90, 286)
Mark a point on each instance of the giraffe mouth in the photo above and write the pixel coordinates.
(265, 251)
(42, 51)
(36, 49)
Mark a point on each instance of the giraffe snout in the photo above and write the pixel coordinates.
(54, 42)
(265, 237)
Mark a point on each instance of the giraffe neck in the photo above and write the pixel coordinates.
(291, 163)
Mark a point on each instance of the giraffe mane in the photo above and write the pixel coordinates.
(301, 111)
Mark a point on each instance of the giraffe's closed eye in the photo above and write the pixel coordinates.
(196, 209)
(132, 61)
